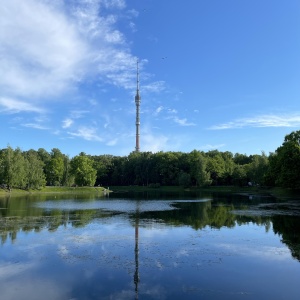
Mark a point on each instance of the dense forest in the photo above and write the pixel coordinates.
(34, 169)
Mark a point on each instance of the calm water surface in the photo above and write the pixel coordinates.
(149, 247)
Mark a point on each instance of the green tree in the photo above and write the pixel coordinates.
(273, 171)
(83, 170)
(55, 167)
(6, 174)
(141, 164)
(228, 167)
(287, 162)
(68, 178)
(184, 179)
(215, 166)
(13, 168)
(104, 167)
(35, 178)
(117, 176)
(199, 175)
(167, 167)
(241, 159)
(258, 168)
(239, 175)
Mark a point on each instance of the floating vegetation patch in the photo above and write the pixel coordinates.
(271, 209)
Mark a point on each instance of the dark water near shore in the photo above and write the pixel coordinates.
(150, 246)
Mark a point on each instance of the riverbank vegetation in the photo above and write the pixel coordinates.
(36, 169)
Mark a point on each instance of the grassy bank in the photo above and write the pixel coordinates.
(55, 189)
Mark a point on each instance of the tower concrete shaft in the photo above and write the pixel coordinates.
(137, 103)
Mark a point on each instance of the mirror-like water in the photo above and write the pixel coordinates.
(174, 247)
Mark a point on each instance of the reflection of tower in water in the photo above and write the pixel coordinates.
(136, 276)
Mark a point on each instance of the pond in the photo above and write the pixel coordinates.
(149, 246)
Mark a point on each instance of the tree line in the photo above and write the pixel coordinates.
(34, 169)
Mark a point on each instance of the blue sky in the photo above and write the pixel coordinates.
(214, 74)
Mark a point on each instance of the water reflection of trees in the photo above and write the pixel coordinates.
(199, 215)
(10, 226)
(22, 216)
(288, 227)
(207, 214)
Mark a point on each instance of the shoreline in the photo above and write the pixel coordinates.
(264, 191)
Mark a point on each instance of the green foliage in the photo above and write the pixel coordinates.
(289, 157)
(293, 137)
(241, 159)
(55, 167)
(83, 170)
(239, 175)
(215, 166)
(184, 179)
(228, 168)
(199, 175)
(258, 168)
(35, 178)
(168, 167)
(103, 165)
(34, 169)
(273, 170)
(13, 168)
(285, 163)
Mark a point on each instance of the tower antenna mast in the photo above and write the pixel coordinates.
(137, 103)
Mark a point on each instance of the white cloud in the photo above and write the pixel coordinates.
(35, 126)
(172, 111)
(14, 106)
(67, 123)
(183, 122)
(60, 50)
(158, 110)
(63, 250)
(132, 26)
(114, 3)
(77, 114)
(41, 51)
(292, 120)
(87, 133)
(264, 252)
(46, 48)
(34, 288)
(12, 270)
(93, 102)
(154, 143)
(106, 120)
(154, 87)
(133, 13)
(112, 142)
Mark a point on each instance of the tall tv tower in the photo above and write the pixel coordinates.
(137, 103)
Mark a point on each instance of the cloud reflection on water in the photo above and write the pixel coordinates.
(115, 205)
(96, 258)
